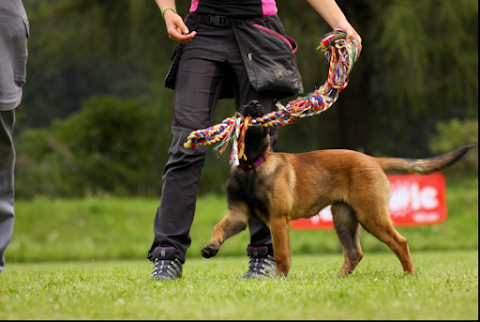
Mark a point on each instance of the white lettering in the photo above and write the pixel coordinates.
(428, 196)
(415, 195)
(422, 217)
(409, 197)
(326, 214)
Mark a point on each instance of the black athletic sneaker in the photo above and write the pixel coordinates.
(261, 264)
(165, 265)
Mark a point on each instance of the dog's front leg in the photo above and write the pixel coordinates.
(281, 244)
(234, 222)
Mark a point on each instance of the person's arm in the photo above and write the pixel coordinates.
(333, 15)
(176, 28)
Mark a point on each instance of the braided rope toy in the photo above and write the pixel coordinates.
(341, 56)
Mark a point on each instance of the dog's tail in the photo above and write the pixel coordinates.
(424, 166)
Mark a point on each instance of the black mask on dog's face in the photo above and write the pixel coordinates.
(256, 138)
(254, 108)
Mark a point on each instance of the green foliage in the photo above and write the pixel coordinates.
(419, 66)
(445, 288)
(83, 48)
(425, 70)
(454, 134)
(110, 146)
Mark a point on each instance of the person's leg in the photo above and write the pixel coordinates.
(13, 66)
(192, 111)
(7, 162)
(200, 74)
(259, 231)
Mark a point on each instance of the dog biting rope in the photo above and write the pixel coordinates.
(341, 56)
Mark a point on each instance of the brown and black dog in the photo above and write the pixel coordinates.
(291, 186)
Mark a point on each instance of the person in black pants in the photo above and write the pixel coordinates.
(213, 61)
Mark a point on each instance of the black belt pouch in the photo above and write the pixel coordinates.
(269, 55)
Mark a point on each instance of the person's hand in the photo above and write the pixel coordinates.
(176, 28)
(351, 33)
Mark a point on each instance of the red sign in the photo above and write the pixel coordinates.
(415, 200)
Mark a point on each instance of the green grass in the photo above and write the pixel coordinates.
(445, 287)
(122, 228)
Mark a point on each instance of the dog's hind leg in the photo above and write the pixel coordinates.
(234, 222)
(376, 220)
(281, 244)
(348, 231)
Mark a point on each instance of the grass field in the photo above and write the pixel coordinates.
(445, 287)
(65, 262)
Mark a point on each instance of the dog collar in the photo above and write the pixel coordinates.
(255, 164)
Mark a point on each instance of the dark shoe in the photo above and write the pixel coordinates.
(165, 265)
(261, 264)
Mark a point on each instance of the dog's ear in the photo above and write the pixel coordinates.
(254, 108)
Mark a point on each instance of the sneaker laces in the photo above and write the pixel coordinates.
(166, 268)
(261, 265)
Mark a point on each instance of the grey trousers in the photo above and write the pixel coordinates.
(14, 31)
(206, 60)
(7, 162)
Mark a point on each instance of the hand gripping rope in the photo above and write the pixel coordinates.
(341, 56)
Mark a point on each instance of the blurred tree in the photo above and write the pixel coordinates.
(453, 134)
(425, 69)
(106, 147)
(419, 66)
(84, 48)
(417, 56)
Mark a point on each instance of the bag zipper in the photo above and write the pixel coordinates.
(287, 39)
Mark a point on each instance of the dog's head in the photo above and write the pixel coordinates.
(257, 138)
(254, 108)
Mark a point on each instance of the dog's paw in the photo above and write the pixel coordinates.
(209, 251)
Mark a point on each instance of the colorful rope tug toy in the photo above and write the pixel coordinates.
(341, 57)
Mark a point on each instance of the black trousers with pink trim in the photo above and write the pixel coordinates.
(212, 55)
